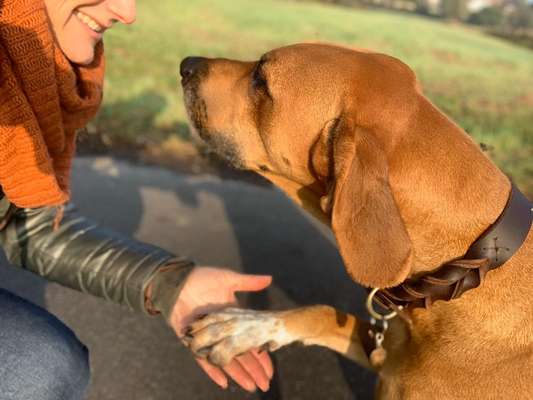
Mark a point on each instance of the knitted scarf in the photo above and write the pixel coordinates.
(44, 100)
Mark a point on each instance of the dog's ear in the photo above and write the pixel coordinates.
(365, 218)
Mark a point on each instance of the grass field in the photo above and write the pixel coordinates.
(483, 83)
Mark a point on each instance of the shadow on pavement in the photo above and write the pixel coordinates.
(250, 228)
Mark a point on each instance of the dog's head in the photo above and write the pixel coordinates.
(322, 122)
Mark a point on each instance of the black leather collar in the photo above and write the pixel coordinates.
(503, 239)
(491, 250)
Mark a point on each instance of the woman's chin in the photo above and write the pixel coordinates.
(80, 56)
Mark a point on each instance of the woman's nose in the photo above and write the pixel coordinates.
(124, 10)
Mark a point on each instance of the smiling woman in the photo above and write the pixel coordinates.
(51, 84)
(79, 25)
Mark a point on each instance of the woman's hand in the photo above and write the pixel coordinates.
(207, 289)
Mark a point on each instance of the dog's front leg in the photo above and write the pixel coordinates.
(228, 333)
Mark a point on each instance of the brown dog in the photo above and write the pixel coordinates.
(350, 137)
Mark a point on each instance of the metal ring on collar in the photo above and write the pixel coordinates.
(373, 312)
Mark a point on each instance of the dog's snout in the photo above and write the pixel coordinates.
(190, 66)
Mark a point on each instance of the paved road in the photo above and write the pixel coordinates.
(249, 227)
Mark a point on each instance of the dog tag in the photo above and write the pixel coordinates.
(379, 354)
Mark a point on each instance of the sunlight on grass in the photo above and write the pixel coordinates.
(485, 84)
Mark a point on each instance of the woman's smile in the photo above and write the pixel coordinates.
(89, 22)
(78, 25)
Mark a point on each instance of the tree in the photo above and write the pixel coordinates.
(455, 9)
(488, 16)
(521, 17)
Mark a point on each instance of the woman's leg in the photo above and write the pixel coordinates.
(40, 357)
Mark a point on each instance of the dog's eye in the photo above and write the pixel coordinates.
(258, 79)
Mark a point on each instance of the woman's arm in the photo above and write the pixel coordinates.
(84, 256)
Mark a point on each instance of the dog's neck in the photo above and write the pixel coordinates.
(448, 191)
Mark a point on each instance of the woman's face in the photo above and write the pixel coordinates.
(79, 25)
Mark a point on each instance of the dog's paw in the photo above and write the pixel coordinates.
(223, 335)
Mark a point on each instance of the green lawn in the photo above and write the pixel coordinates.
(483, 83)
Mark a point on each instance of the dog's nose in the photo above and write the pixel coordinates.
(190, 66)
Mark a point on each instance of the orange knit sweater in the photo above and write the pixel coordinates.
(43, 101)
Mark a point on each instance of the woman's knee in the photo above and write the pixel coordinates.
(40, 357)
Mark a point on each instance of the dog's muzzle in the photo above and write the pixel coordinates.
(192, 70)
(191, 67)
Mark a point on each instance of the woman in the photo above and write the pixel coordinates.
(51, 75)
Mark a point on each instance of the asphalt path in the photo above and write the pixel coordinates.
(248, 226)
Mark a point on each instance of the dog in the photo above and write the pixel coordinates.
(350, 137)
